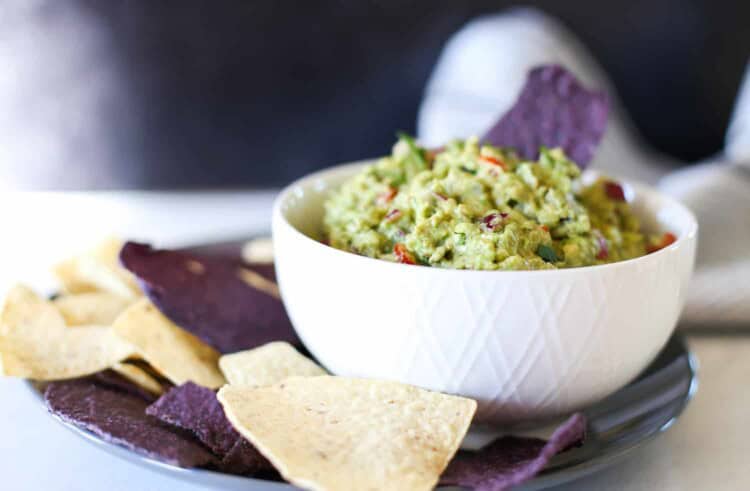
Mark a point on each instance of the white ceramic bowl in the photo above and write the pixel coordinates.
(527, 345)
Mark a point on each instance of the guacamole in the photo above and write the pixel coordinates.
(472, 206)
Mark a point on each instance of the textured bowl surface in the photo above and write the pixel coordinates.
(527, 345)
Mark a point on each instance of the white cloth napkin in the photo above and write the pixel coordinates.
(478, 77)
(719, 195)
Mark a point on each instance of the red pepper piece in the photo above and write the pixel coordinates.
(487, 159)
(393, 215)
(666, 239)
(493, 220)
(614, 191)
(403, 255)
(387, 196)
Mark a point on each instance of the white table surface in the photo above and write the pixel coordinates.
(706, 449)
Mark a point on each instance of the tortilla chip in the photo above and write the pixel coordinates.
(206, 296)
(258, 250)
(176, 353)
(267, 365)
(113, 380)
(338, 433)
(196, 409)
(139, 377)
(35, 343)
(267, 271)
(244, 459)
(120, 418)
(93, 308)
(98, 271)
(259, 282)
(510, 460)
(23, 309)
(553, 110)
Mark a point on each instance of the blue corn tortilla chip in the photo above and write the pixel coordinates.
(510, 460)
(204, 295)
(553, 110)
(232, 251)
(111, 379)
(244, 459)
(196, 409)
(265, 270)
(119, 417)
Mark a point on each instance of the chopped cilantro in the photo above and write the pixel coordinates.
(547, 253)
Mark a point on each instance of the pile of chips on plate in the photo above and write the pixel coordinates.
(136, 343)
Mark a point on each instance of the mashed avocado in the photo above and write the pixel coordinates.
(468, 206)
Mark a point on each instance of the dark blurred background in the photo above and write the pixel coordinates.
(198, 93)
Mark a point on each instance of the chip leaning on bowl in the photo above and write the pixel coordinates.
(472, 206)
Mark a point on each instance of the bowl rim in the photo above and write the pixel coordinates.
(278, 217)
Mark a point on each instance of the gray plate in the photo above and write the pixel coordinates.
(617, 426)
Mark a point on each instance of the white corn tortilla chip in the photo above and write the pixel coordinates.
(259, 282)
(35, 343)
(172, 351)
(258, 250)
(92, 308)
(334, 433)
(98, 270)
(139, 376)
(267, 365)
(23, 308)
